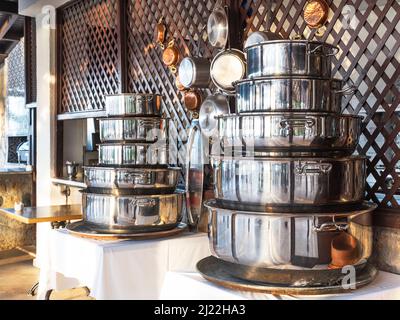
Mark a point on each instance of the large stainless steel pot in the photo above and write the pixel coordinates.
(194, 72)
(296, 241)
(133, 154)
(134, 104)
(132, 179)
(142, 129)
(290, 58)
(258, 183)
(290, 94)
(290, 133)
(134, 213)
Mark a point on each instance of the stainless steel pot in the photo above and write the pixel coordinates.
(290, 58)
(194, 72)
(290, 94)
(290, 133)
(228, 67)
(134, 104)
(214, 106)
(133, 179)
(133, 154)
(258, 183)
(143, 129)
(134, 213)
(295, 241)
(218, 27)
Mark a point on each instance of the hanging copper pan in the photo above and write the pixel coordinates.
(171, 56)
(316, 13)
(193, 100)
(160, 32)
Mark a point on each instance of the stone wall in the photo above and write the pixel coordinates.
(3, 92)
(15, 188)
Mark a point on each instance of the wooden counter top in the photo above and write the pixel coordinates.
(45, 214)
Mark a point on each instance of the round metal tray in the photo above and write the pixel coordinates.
(81, 229)
(220, 273)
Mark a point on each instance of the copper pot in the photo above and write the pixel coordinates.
(161, 30)
(192, 100)
(171, 56)
(316, 13)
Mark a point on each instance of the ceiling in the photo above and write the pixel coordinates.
(11, 27)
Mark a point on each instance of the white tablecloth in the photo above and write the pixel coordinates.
(118, 269)
(186, 286)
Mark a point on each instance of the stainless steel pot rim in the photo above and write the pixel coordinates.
(363, 208)
(131, 144)
(294, 77)
(135, 118)
(311, 159)
(279, 153)
(287, 41)
(140, 168)
(136, 196)
(287, 114)
(127, 193)
(134, 95)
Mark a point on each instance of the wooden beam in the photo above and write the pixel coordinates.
(7, 25)
(8, 7)
(13, 35)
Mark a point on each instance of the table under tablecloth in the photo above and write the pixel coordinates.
(117, 269)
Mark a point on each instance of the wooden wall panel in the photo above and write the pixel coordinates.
(89, 57)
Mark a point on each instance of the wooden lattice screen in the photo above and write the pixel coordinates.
(88, 55)
(367, 33)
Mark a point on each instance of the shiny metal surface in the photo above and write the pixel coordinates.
(136, 213)
(257, 37)
(133, 154)
(287, 241)
(134, 104)
(85, 230)
(136, 129)
(194, 72)
(214, 106)
(290, 94)
(290, 132)
(197, 184)
(218, 27)
(282, 282)
(132, 178)
(258, 183)
(228, 67)
(290, 58)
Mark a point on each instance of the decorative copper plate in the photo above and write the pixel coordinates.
(81, 230)
(316, 13)
(216, 271)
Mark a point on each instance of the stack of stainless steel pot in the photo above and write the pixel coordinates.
(289, 194)
(132, 190)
